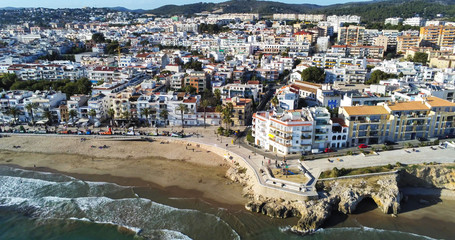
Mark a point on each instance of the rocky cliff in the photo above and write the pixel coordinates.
(343, 195)
(434, 176)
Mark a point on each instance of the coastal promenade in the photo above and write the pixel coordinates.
(261, 165)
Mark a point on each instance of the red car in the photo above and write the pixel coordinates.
(363, 146)
(327, 150)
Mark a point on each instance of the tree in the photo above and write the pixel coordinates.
(146, 112)
(126, 115)
(14, 111)
(111, 114)
(48, 115)
(226, 114)
(204, 104)
(190, 89)
(275, 102)
(313, 74)
(98, 38)
(420, 57)
(217, 94)
(7, 80)
(379, 75)
(72, 113)
(182, 108)
(164, 115)
(92, 114)
(30, 107)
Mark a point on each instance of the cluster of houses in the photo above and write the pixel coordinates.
(161, 64)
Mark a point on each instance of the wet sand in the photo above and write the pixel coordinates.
(198, 174)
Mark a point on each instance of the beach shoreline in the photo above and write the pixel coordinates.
(196, 173)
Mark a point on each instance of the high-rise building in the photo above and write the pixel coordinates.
(352, 35)
(439, 36)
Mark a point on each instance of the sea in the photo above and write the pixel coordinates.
(43, 205)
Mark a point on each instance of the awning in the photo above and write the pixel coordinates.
(271, 135)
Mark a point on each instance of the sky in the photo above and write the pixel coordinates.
(131, 4)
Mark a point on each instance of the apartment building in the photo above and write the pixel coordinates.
(352, 35)
(242, 112)
(241, 90)
(198, 80)
(406, 42)
(439, 36)
(297, 131)
(400, 121)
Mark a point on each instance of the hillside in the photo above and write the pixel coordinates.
(369, 11)
(378, 11)
(235, 6)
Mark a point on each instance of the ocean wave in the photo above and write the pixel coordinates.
(368, 229)
(76, 199)
(284, 228)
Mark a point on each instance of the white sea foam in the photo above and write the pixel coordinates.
(368, 229)
(284, 228)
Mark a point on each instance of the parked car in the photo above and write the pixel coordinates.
(327, 150)
(363, 146)
(389, 143)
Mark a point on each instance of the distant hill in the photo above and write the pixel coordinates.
(235, 6)
(9, 8)
(123, 9)
(369, 11)
(380, 10)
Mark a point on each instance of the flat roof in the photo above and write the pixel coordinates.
(407, 106)
(366, 110)
(439, 102)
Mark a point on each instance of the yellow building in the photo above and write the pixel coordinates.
(304, 36)
(243, 110)
(407, 42)
(352, 35)
(401, 121)
(439, 36)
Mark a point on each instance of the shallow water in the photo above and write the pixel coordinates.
(38, 205)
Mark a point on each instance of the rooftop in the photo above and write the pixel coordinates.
(406, 106)
(366, 110)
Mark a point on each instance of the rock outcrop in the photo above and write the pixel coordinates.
(343, 195)
(382, 189)
(434, 176)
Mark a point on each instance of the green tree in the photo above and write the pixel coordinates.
(72, 113)
(164, 114)
(92, 114)
(111, 115)
(226, 114)
(183, 108)
(7, 80)
(14, 111)
(275, 101)
(146, 112)
(313, 74)
(204, 104)
(379, 75)
(30, 108)
(49, 116)
(98, 38)
(420, 57)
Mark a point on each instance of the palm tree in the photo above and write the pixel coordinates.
(275, 102)
(146, 112)
(204, 104)
(92, 113)
(217, 94)
(30, 107)
(73, 114)
(48, 115)
(111, 114)
(126, 115)
(164, 114)
(14, 111)
(226, 114)
(182, 108)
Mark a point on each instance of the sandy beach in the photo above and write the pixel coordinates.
(171, 165)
